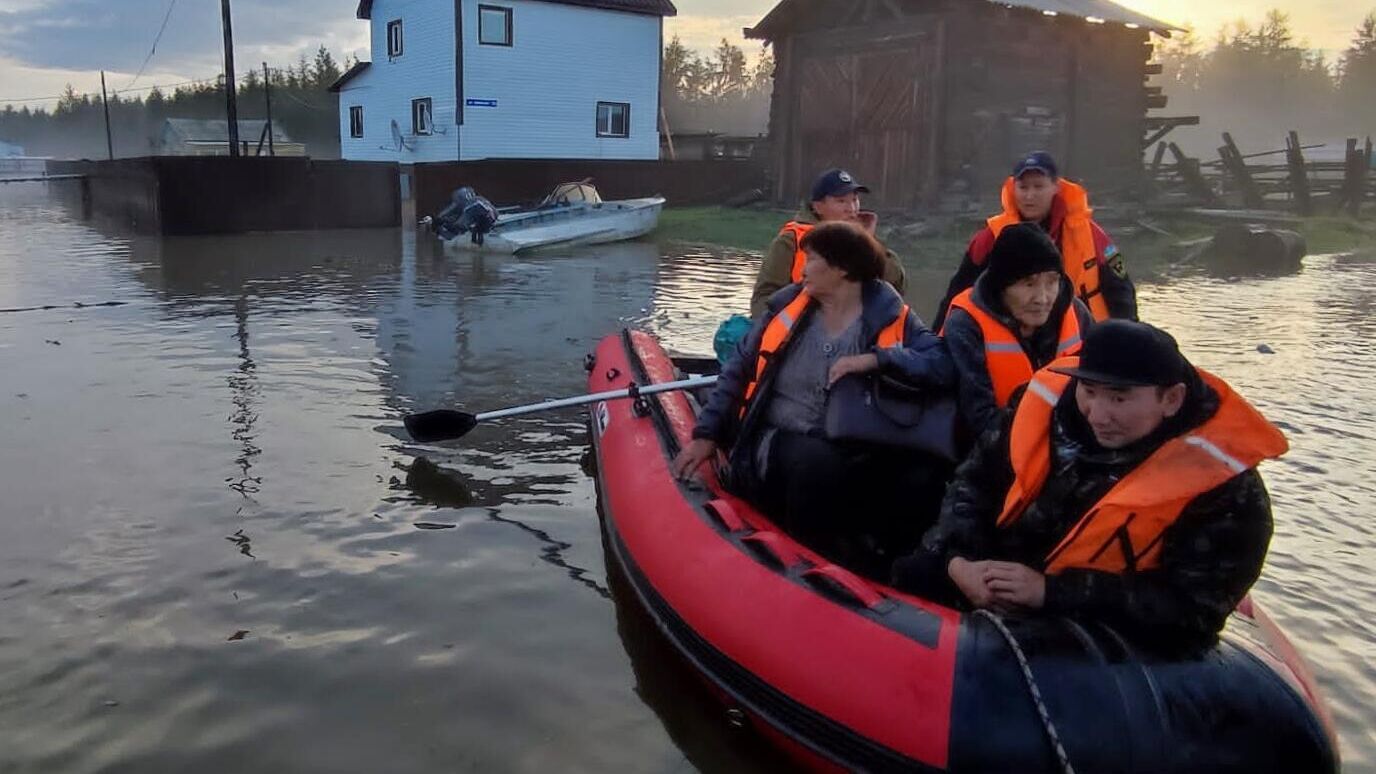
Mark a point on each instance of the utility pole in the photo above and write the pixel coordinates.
(105, 100)
(267, 95)
(231, 108)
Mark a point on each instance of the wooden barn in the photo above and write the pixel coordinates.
(927, 101)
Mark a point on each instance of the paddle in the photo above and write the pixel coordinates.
(449, 425)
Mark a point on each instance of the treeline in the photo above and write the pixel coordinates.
(721, 91)
(1258, 82)
(75, 127)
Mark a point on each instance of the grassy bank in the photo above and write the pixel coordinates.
(740, 229)
(753, 229)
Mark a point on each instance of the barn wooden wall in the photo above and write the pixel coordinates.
(943, 100)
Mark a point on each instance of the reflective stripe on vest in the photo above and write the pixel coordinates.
(797, 231)
(1076, 242)
(1124, 531)
(1004, 357)
(779, 332)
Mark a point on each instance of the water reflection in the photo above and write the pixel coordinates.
(695, 719)
(244, 386)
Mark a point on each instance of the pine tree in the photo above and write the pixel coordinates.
(1357, 87)
(326, 71)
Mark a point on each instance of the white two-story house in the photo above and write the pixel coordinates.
(461, 80)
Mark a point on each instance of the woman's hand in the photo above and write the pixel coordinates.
(852, 364)
(685, 465)
(1016, 585)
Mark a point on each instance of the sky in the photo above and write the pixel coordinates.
(46, 44)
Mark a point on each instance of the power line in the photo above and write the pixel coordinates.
(157, 39)
(4, 100)
(300, 101)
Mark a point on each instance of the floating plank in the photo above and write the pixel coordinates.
(1213, 214)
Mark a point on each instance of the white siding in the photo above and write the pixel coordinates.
(385, 90)
(564, 60)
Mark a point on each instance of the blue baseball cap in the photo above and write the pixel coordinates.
(1037, 161)
(835, 182)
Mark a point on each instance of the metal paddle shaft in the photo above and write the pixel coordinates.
(447, 424)
(597, 397)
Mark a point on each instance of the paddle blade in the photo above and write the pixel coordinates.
(441, 425)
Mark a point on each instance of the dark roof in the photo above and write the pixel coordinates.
(775, 22)
(353, 73)
(651, 7)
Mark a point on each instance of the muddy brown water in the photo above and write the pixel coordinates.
(215, 556)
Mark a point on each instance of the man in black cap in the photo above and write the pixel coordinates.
(835, 196)
(1122, 488)
(1036, 193)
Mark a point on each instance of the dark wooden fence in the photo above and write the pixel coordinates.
(1283, 178)
(186, 195)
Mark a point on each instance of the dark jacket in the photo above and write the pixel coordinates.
(1210, 557)
(965, 340)
(776, 271)
(922, 362)
(1119, 292)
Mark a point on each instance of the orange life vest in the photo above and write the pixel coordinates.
(797, 231)
(780, 330)
(1078, 253)
(1123, 531)
(1007, 362)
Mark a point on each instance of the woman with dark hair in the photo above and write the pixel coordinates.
(770, 405)
(1021, 314)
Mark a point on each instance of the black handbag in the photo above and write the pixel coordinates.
(878, 409)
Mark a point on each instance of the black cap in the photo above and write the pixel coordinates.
(1022, 249)
(1124, 353)
(1037, 161)
(835, 182)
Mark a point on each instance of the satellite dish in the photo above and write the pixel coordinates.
(398, 141)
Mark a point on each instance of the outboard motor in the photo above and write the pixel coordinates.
(467, 213)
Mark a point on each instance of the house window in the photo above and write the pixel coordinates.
(356, 121)
(613, 119)
(494, 25)
(394, 39)
(422, 116)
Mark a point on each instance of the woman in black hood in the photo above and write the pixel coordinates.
(1020, 315)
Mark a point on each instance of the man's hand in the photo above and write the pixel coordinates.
(867, 220)
(853, 364)
(685, 465)
(1016, 585)
(969, 577)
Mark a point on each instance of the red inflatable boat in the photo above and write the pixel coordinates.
(847, 674)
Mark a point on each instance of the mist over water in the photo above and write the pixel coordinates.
(218, 552)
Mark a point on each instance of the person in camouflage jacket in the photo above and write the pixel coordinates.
(835, 196)
(1211, 555)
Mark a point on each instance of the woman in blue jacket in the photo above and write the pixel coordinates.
(770, 405)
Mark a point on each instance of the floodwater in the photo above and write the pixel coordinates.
(217, 551)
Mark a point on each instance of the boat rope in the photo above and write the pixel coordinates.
(1032, 688)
